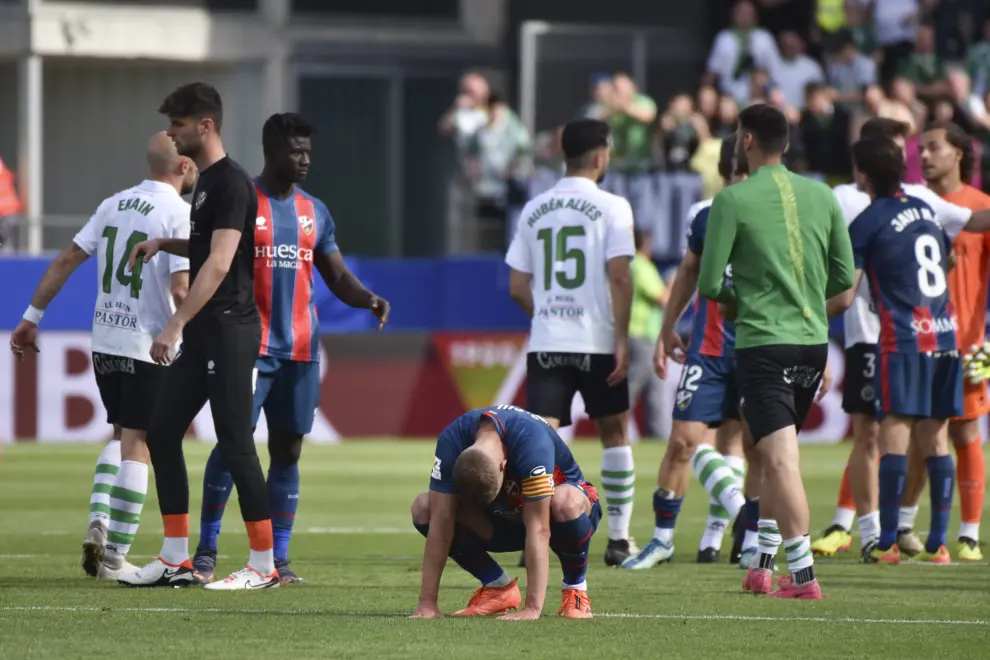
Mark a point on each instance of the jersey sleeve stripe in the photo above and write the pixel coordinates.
(498, 422)
(264, 236)
(538, 487)
(302, 294)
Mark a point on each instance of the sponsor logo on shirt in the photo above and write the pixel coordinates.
(259, 222)
(564, 308)
(116, 315)
(112, 364)
(200, 198)
(283, 255)
(934, 326)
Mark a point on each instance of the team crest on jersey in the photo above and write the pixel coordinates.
(306, 224)
(260, 222)
(200, 198)
(684, 399)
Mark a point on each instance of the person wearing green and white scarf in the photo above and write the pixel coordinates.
(738, 50)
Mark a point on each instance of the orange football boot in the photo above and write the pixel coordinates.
(492, 600)
(574, 604)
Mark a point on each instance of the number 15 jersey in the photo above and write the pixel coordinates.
(132, 307)
(564, 239)
(904, 252)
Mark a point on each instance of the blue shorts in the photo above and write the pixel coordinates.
(707, 391)
(922, 385)
(289, 392)
(510, 535)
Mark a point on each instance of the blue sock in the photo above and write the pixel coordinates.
(283, 493)
(941, 482)
(665, 510)
(893, 473)
(469, 553)
(217, 484)
(751, 514)
(571, 541)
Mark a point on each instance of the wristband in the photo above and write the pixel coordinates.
(33, 315)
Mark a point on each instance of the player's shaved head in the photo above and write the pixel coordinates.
(162, 156)
(477, 477)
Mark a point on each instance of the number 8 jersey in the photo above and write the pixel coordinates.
(132, 307)
(564, 239)
(903, 251)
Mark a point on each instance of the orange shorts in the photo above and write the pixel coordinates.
(976, 403)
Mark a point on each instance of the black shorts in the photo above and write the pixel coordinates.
(778, 384)
(552, 379)
(128, 388)
(857, 391)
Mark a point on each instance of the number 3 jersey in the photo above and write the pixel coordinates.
(132, 307)
(564, 239)
(902, 249)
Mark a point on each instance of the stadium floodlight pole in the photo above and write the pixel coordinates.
(529, 44)
(30, 156)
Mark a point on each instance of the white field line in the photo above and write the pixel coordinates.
(82, 609)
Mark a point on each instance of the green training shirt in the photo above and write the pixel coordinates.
(786, 240)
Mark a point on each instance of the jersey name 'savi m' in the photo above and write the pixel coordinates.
(564, 240)
(538, 460)
(286, 235)
(903, 252)
(133, 306)
(711, 334)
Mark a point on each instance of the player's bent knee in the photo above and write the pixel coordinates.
(567, 503)
(133, 446)
(284, 448)
(964, 432)
(684, 439)
(421, 509)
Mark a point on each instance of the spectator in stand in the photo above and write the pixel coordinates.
(601, 92)
(876, 104)
(923, 66)
(796, 70)
(548, 162)
(830, 19)
(468, 112)
(971, 106)
(708, 106)
(904, 92)
(896, 22)
(10, 206)
(632, 117)
(759, 86)
(825, 131)
(861, 29)
(850, 72)
(682, 131)
(978, 63)
(738, 50)
(779, 16)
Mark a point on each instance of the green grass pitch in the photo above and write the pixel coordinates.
(355, 545)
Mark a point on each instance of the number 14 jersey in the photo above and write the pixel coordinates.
(904, 252)
(564, 239)
(132, 307)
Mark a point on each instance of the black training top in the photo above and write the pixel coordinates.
(225, 199)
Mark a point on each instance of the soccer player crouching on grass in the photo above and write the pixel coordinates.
(504, 481)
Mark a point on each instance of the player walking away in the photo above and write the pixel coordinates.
(947, 161)
(898, 242)
(504, 481)
(293, 233)
(787, 243)
(221, 334)
(132, 307)
(705, 401)
(570, 273)
(858, 495)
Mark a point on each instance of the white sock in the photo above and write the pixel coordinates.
(126, 501)
(618, 484)
(262, 561)
(751, 540)
(844, 518)
(175, 550)
(502, 581)
(664, 534)
(715, 528)
(107, 466)
(718, 478)
(869, 528)
(580, 587)
(905, 518)
(969, 530)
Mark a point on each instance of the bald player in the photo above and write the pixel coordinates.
(132, 307)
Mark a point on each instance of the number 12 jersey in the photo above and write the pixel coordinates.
(904, 252)
(564, 240)
(132, 307)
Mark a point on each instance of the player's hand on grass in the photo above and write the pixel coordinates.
(147, 249)
(380, 308)
(669, 345)
(826, 383)
(161, 348)
(618, 374)
(525, 614)
(427, 611)
(24, 339)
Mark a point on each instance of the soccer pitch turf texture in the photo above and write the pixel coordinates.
(355, 545)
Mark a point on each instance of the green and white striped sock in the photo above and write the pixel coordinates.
(618, 484)
(800, 561)
(718, 478)
(769, 542)
(107, 466)
(126, 501)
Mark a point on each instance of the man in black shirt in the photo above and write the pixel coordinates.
(221, 333)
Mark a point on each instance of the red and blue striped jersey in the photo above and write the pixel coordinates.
(286, 235)
(711, 334)
(904, 252)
